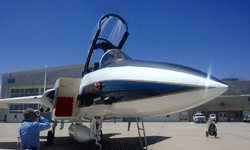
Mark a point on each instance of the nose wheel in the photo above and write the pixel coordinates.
(96, 131)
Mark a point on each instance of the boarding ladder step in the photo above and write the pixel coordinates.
(140, 120)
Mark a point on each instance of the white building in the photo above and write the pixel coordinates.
(29, 83)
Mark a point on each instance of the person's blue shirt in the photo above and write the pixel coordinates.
(29, 131)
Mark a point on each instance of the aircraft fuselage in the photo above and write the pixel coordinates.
(129, 88)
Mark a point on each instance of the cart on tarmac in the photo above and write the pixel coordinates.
(211, 128)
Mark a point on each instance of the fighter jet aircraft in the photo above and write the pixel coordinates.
(118, 86)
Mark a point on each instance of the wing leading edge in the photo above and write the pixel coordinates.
(30, 99)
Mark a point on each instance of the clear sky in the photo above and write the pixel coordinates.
(201, 34)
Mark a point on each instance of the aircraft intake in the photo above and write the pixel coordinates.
(47, 99)
(79, 132)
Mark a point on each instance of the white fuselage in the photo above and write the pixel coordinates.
(156, 105)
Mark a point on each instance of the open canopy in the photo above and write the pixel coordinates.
(111, 32)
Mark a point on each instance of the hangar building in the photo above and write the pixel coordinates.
(29, 83)
(233, 105)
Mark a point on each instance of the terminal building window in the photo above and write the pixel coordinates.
(20, 107)
(24, 92)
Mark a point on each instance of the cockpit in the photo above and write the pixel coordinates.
(109, 36)
(112, 56)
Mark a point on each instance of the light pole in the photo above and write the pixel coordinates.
(44, 87)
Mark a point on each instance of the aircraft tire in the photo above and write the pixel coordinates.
(215, 134)
(206, 134)
(50, 137)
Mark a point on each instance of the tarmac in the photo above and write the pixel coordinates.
(160, 136)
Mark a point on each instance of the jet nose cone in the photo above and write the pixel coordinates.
(214, 82)
(226, 86)
(214, 87)
(223, 86)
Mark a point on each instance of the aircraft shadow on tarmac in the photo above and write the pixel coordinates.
(119, 143)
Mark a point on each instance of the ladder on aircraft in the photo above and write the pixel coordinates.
(140, 120)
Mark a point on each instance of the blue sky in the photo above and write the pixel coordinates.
(201, 34)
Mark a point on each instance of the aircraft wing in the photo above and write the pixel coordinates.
(29, 99)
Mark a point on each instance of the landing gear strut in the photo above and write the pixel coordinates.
(96, 131)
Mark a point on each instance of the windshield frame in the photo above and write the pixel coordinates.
(105, 45)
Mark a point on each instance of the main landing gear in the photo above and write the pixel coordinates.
(51, 133)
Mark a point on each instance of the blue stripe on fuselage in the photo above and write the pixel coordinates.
(133, 90)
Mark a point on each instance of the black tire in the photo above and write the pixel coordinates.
(206, 134)
(50, 138)
(215, 134)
